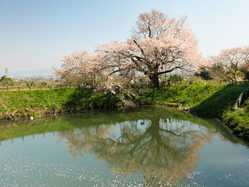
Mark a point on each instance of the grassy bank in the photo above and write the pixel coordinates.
(239, 116)
(221, 101)
(36, 103)
(26, 104)
(208, 99)
(231, 105)
(184, 94)
(238, 121)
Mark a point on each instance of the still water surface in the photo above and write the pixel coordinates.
(148, 147)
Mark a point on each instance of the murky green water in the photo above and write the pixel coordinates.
(149, 147)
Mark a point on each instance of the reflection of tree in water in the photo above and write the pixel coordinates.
(164, 150)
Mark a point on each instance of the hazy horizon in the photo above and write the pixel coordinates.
(35, 35)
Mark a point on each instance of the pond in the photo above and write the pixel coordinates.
(146, 147)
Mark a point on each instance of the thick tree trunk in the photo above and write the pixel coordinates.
(155, 81)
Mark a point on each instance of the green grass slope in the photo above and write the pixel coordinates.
(32, 102)
(185, 94)
(220, 102)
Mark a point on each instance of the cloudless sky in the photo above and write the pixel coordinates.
(36, 34)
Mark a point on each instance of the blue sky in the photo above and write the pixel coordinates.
(36, 34)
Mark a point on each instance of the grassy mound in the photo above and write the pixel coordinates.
(184, 94)
(239, 116)
(221, 101)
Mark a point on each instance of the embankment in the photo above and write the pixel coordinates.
(210, 99)
(207, 99)
(33, 103)
(30, 104)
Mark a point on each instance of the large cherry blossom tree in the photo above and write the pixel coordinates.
(159, 45)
